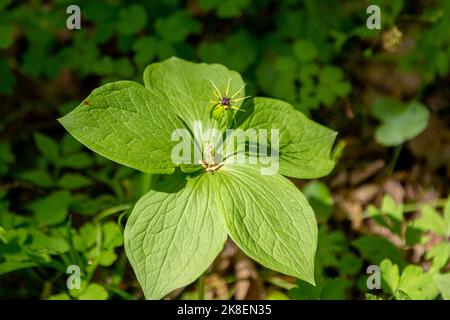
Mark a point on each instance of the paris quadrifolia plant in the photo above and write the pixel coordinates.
(177, 126)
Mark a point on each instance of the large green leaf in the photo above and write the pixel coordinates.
(188, 89)
(304, 145)
(269, 219)
(173, 234)
(127, 123)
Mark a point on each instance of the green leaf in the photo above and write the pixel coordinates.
(447, 216)
(399, 123)
(126, 123)
(443, 283)
(78, 160)
(305, 291)
(320, 198)
(413, 283)
(430, 220)
(304, 146)
(370, 296)
(224, 51)
(225, 8)
(187, 87)
(329, 289)
(269, 219)
(6, 154)
(6, 36)
(177, 26)
(7, 79)
(52, 209)
(334, 289)
(376, 249)
(440, 253)
(131, 19)
(94, 292)
(88, 234)
(50, 244)
(48, 147)
(59, 296)
(330, 245)
(112, 236)
(9, 266)
(145, 50)
(390, 215)
(305, 51)
(350, 264)
(401, 295)
(173, 234)
(332, 85)
(73, 181)
(417, 284)
(390, 276)
(37, 177)
(106, 258)
(69, 145)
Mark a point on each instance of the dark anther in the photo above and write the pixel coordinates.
(226, 101)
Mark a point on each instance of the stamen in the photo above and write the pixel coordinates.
(237, 92)
(239, 99)
(216, 91)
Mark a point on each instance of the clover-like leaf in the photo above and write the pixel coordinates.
(177, 27)
(173, 234)
(127, 123)
(304, 145)
(131, 19)
(399, 123)
(269, 219)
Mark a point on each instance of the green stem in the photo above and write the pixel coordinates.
(121, 293)
(46, 290)
(99, 237)
(110, 211)
(201, 287)
(394, 159)
(148, 180)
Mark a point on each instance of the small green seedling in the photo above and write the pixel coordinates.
(178, 228)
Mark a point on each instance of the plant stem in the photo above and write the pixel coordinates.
(110, 211)
(46, 290)
(201, 287)
(394, 159)
(148, 181)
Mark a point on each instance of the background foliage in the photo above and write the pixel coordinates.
(385, 91)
